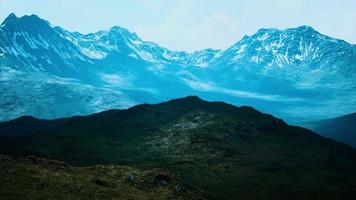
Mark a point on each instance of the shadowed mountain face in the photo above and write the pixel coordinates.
(230, 152)
(49, 72)
(342, 128)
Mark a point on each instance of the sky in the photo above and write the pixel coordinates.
(192, 25)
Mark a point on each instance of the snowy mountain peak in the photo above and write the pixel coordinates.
(265, 30)
(304, 28)
(31, 44)
(41, 65)
(11, 15)
(120, 41)
(273, 48)
(289, 33)
(9, 18)
(118, 29)
(13, 20)
(300, 31)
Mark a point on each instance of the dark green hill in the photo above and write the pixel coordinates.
(27, 125)
(342, 128)
(230, 152)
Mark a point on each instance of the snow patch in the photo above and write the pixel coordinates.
(198, 85)
(115, 79)
(93, 54)
(157, 68)
(2, 52)
(241, 49)
(136, 42)
(255, 59)
(263, 37)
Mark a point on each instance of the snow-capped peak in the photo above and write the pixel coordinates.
(119, 40)
(280, 48)
(9, 18)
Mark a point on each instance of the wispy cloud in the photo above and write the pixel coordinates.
(200, 85)
(245, 94)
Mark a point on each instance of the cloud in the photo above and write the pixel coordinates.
(252, 95)
(203, 86)
(198, 85)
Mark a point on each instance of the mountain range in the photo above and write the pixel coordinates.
(342, 128)
(225, 151)
(297, 74)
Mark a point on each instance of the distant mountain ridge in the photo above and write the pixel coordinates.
(98, 45)
(342, 128)
(291, 46)
(48, 72)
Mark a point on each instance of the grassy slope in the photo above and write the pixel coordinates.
(229, 152)
(39, 178)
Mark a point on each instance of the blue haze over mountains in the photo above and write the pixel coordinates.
(297, 74)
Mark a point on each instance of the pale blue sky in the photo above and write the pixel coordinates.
(192, 24)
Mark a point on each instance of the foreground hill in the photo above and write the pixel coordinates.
(342, 128)
(50, 179)
(230, 152)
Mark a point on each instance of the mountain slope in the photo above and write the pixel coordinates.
(275, 48)
(342, 128)
(50, 73)
(99, 45)
(50, 179)
(290, 73)
(299, 65)
(30, 44)
(225, 150)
